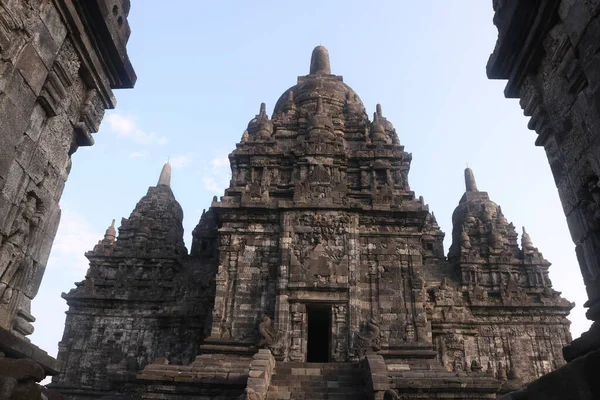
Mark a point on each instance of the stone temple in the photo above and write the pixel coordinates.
(318, 274)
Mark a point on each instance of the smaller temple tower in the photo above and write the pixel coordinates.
(139, 299)
(516, 322)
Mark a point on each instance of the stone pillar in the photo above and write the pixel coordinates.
(549, 53)
(60, 61)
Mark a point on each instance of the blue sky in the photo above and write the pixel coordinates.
(204, 67)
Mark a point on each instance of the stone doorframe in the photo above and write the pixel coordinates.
(297, 336)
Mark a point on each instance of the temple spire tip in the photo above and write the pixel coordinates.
(470, 184)
(319, 62)
(165, 175)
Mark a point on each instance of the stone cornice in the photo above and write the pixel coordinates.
(522, 25)
(99, 44)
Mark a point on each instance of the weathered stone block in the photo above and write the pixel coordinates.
(576, 17)
(21, 369)
(53, 23)
(32, 68)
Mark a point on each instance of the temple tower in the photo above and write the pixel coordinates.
(312, 188)
(139, 300)
(320, 258)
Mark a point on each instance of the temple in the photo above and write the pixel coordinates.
(318, 274)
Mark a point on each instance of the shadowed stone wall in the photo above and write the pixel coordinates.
(549, 53)
(59, 62)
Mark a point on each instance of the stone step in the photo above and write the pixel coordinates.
(328, 385)
(291, 395)
(332, 365)
(308, 381)
(297, 395)
(314, 396)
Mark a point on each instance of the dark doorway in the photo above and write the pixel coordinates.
(319, 333)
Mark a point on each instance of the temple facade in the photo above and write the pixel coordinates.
(318, 274)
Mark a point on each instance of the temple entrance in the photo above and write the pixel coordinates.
(319, 333)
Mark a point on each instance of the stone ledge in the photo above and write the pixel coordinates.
(15, 347)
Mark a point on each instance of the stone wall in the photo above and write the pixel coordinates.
(548, 51)
(59, 62)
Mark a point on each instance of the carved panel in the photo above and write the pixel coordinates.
(319, 249)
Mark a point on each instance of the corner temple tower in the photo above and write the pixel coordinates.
(318, 261)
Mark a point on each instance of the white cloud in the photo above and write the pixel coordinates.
(220, 162)
(180, 161)
(125, 126)
(211, 185)
(75, 236)
(216, 177)
(137, 154)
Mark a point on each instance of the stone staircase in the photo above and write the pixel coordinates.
(308, 381)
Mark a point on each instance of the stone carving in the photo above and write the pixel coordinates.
(319, 248)
(320, 125)
(260, 127)
(444, 293)
(368, 339)
(14, 247)
(249, 394)
(270, 338)
(590, 205)
(340, 350)
(476, 366)
(465, 241)
(502, 372)
(391, 394)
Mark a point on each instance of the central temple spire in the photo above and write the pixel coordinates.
(471, 185)
(319, 62)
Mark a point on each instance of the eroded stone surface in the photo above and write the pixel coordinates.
(57, 74)
(47, 111)
(548, 51)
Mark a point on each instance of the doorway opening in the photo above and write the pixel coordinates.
(319, 333)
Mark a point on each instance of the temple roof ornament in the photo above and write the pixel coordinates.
(320, 124)
(111, 233)
(377, 133)
(470, 184)
(260, 127)
(337, 96)
(526, 242)
(319, 62)
(165, 175)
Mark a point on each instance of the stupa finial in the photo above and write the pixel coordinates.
(319, 62)
(470, 184)
(165, 175)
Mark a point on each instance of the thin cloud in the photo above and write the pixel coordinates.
(125, 126)
(220, 162)
(75, 236)
(180, 161)
(217, 176)
(137, 155)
